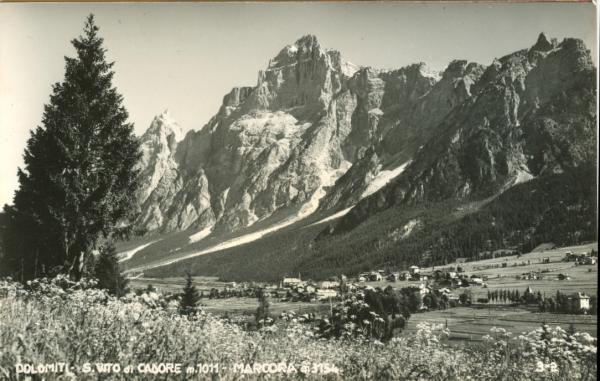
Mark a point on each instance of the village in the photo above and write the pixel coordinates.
(548, 281)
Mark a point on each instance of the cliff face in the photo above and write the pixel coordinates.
(401, 110)
(319, 132)
(162, 182)
(529, 114)
(271, 147)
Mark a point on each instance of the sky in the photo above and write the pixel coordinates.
(186, 56)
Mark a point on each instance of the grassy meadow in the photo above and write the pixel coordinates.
(471, 324)
(84, 327)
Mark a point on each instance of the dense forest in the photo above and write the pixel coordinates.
(560, 208)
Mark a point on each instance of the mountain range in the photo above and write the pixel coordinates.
(325, 166)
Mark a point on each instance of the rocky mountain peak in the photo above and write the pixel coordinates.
(455, 69)
(306, 47)
(164, 126)
(542, 44)
(426, 71)
(284, 146)
(307, 43)
(302, 75)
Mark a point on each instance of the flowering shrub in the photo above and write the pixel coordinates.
(353, 319)
(362, 317)
(45, 323)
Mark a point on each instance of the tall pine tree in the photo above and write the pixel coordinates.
(106, 270)
(189, 297)
(79, 178)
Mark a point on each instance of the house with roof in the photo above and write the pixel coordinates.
(291, 282)
(328, 284)
(581, 300)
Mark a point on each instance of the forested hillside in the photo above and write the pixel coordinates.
(560, 208)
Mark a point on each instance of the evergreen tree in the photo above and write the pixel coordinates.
(190, 297)
(262, 312)
(106, 270)
(414, 301)
(79, 179)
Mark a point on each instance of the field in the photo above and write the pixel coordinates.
(247, 306)
(583, 278)
(174, 285)
(227, 306)
(471, 324)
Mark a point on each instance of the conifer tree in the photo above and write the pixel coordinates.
(79, 179)
(106, 270)
(262, 311)
(190, 297)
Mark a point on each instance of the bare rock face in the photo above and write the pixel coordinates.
(397, 113)
(530, 113)
(270, 147)
(319, 132)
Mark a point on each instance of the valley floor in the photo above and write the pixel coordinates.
(465, 323)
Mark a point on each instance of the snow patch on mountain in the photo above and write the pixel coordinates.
(408, 228)
(168, 120)
(382, 179)
(278, 123)
(430, 73)
(348, 68)
(200, 235)
(125, 255)
(523, 176)
(339, 214)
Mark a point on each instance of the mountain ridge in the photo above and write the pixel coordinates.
(320, 136)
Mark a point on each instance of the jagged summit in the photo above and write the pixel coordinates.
(164, 124)
(305, 47)
(308, 49)
(307, 42)
(542, 44)
(281, 146)
(427, 71)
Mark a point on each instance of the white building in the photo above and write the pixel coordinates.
(582, 300)
(326, 294)
(328, 284)
(291, 282)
